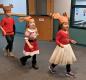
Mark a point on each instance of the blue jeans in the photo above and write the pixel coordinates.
(9, 39)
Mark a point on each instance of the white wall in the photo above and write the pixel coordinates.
(19, 6)
(62, 6)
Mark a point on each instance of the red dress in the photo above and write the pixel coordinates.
(31, 36)
(65, 55)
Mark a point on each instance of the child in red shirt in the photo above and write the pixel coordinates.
(63, 53)
(8, 29)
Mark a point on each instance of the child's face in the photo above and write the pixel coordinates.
(32, 23)
(8, 14)
(65, 26)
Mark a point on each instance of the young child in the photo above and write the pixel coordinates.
(8, 29)
(31, 46)
(63, 53)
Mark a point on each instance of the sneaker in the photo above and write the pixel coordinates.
(69, 74)
(5, 52)
(51, 70)
(22, 61)
(35, 67)
(72, 74)
(11, 54)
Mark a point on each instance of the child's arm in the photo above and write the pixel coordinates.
(28, 43)
(26, 39)
(14, 28)
(72, 41)
(57, 40)
(1, 26)
(27, 18)
(37, 32)
(3, 30)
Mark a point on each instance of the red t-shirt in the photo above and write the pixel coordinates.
(7, 24)
(62, 37)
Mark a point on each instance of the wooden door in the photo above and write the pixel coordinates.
(45, 27)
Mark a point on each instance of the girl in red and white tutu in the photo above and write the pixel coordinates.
(31, 46)
(63, 53)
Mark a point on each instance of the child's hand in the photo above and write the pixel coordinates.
(21, 19)
(73, 41)
(4, 33)
(30, 46)
(61, 45)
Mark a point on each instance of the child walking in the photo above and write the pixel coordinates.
(31, 46)
(8, 29)
(63, 53)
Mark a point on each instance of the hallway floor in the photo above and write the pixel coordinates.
(11, 69)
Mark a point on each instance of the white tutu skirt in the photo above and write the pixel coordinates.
(63, 56)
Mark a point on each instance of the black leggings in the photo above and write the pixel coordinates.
(27, 57)
(68, 67)
(9, 39)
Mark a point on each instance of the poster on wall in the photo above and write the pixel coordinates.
(80, 17)
(79, 14)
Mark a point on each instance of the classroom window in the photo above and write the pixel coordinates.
(78, 14)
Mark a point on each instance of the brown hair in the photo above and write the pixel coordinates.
(61, 25)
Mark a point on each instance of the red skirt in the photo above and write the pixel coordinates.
(29, 51)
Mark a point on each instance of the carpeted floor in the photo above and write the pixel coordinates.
(11, 69)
